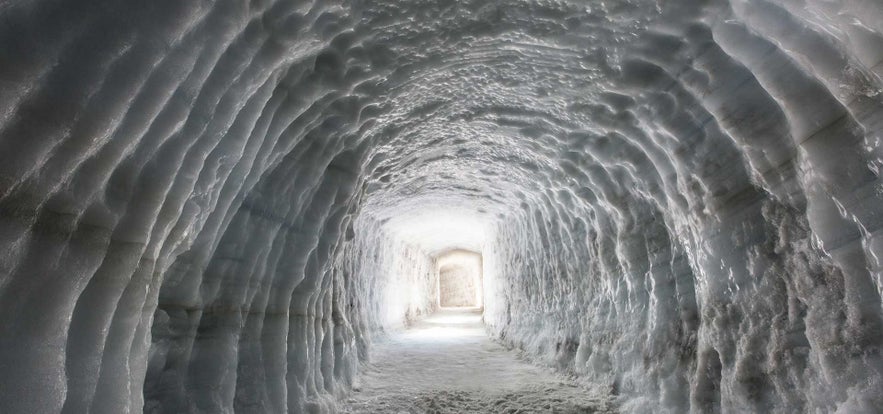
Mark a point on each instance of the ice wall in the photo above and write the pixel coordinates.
(215, 205)
(459, 279)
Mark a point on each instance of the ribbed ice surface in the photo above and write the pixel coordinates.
(213, 206)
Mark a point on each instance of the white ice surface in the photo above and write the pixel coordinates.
(446, 364)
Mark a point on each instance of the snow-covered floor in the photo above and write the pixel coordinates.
(446, 363)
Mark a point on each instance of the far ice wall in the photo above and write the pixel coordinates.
(460, 281)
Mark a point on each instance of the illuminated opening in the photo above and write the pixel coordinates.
(459, 279)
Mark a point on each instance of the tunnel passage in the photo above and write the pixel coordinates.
(459, 279)
(223, 206)
(456, 287)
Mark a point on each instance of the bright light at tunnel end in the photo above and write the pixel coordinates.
(436, 230)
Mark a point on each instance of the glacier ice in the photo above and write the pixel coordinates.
(459, 279)
(218, 206)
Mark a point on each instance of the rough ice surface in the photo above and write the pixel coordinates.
(459, 279)
(220, 206)
(469, 374)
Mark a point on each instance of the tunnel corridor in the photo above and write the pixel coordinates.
(459, 279)
(446, 363)
(249, 206)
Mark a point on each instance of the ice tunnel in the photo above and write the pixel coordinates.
(230, 206)
(459, 279)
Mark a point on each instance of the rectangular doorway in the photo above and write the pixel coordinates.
(459, 279)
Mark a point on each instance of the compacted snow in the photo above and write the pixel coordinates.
(446, 363)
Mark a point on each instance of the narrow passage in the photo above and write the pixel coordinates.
(446, 363)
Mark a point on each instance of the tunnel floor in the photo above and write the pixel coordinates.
(446, 363)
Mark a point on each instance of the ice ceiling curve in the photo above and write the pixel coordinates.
(201, 202)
